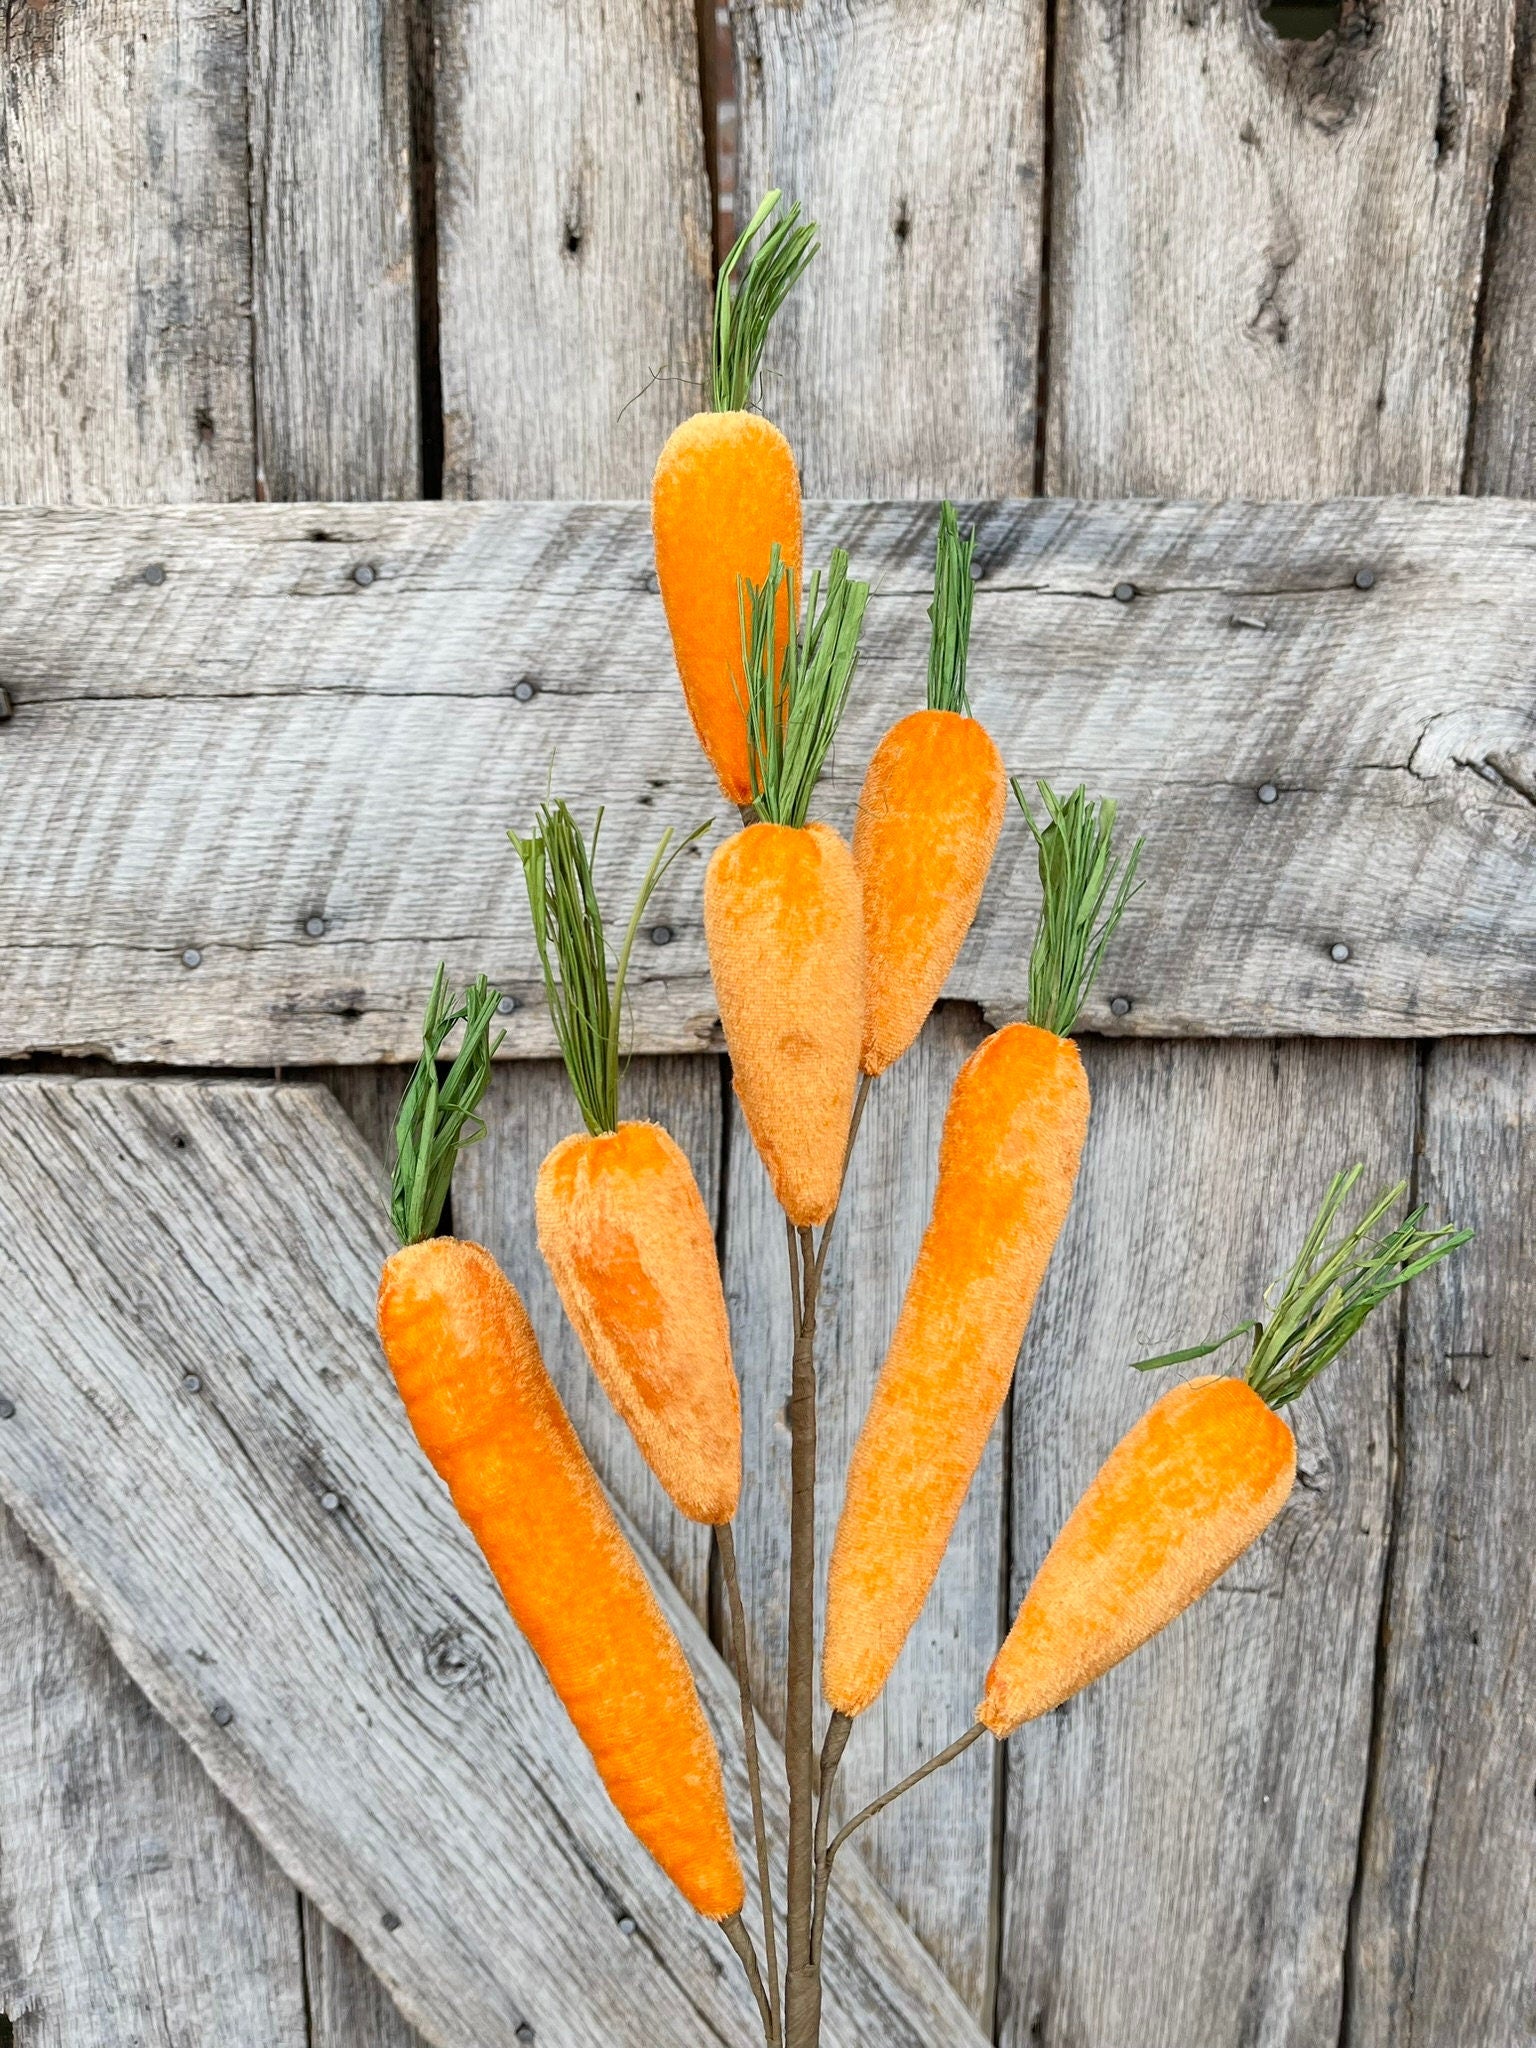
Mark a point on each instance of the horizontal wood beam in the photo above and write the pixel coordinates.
(262, 760)
(197, 1428)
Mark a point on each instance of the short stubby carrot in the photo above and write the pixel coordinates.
(487, 1416)
(784, 925)
(624, 1231)
(1008, 1161)
(1179, 1499)
(928, 823)
(726, 491)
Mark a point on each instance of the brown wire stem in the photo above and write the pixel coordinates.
(934, 1763)
(725, 1537)
(735, 1931)
(839, 1728)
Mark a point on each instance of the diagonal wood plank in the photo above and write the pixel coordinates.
(205, 1441)
(1446, 1920)
(205, 766)
(1202, 1801)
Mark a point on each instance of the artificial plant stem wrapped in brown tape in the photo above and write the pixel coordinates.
(725, 493)
(929, 818)
(486, 1413)
(1008, 1161)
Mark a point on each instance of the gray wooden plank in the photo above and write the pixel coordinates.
(574, 218)
(212, 761)
(124, 253)
(933, 1854)
(1501, 455)
(333, 309)
(1446, 1921)
(528, 1109)
(905, 363)
(1265, 254)
(134, 1906)
(1202, 1802)
(379, 1720)
(348, 2006)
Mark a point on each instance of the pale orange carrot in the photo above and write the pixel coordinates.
(782, 912)
(928, 823)
(1200, 1476)
(486, 1413)
(725, 493)
(1008, 1161)
(621, 1222)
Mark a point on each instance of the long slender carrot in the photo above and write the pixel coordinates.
(1200, 1476)
(486, 1414)
(782, 911)
(928, 823)
(725, 493)
(1013, 1136)
(622, 1225)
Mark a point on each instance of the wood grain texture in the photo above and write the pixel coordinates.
(348, 1675)
(1447, 1911)
(134, 1906)
(529, 1108)
(125, 373)
(575, 234)
(1266, 254)
(933, 1853)
(904, 365)
(209, 762)
(348, 2006)
(1201, 1804)
(333, 282)
(1502, 452)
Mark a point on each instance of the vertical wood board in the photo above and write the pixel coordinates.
(1501, 455)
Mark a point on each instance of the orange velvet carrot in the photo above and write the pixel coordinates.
(621, 1222)
(1008, 1160)
(782, 912)
(1200, 1476)
(487, 1416)
(725, 492)
(928, 823)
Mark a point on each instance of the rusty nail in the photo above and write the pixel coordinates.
(315, 927)
(223, 1713)
(1364, 578)
(191, 1383)
(389, 1921)
(1119, 1006)
(1124, 592)
(1267, 793)
(1338, 951)
(661, 935)
(7, 1407)
(363, 575)
(524, 691)
(7, 705)
(154, 574)
(191, 957)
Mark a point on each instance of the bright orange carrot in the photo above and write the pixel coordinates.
(1200, 1476)
(487, 1416)
(928, 823)
(1008, 1161)
(725, 492)
(621, 1222)
(782, 912)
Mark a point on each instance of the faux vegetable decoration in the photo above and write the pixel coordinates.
(621, 1222)
(928, 824)
(726, 493)
(486, 1414)
(1202, 1474)
(1008, 1161)
(782, 909)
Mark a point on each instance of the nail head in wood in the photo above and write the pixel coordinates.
(626, 1925)
(363, 575)
(389, 1921)
(223, 1713)
(315, 927)
(522, 2030)
(1119, 1006)
(524, 691)
(154, 574)
(1364, 578)
(1124, 592)
(1267, 793)
(7, 1407)
(191, 1383)
(506, 1006)
(661, 935)
(191, 957)
(330, 1502)
(1338, 951)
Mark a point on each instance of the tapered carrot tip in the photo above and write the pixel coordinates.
(487, 1415)
(725, 490)
(624, 1230)
(785, 929)
(929, 818)
(1178, 1500)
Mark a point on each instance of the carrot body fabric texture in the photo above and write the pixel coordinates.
(487, 1416)
(784, 924)
(928, 824)
(1179, 1499)
(725, 491)
(623, 1228)
(1013, 1137)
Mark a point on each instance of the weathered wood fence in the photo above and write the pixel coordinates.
(255, 764)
